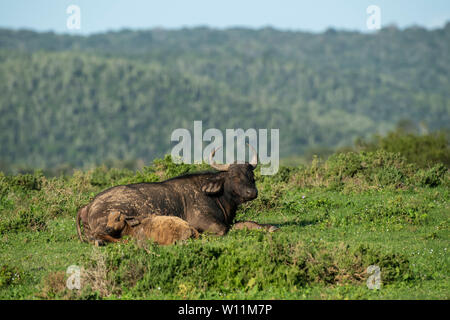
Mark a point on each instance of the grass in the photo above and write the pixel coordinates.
(336, 218)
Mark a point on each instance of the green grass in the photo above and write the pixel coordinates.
(336, 218)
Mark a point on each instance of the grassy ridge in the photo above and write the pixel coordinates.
(336, 218)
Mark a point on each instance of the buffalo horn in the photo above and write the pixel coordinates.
(212, 163)
(254, 161)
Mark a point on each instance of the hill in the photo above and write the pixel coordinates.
(85, 100)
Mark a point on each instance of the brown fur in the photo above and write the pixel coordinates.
(163, 230)
(82, 216)
(207, 201)
(97, 236)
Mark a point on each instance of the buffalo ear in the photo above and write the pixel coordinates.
(213, 186)
(131, 221)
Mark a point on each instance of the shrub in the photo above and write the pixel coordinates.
(26, 181)
(283, 175)
(102, 176)
(433, 176)
(364, 170)
(422, 150)
(166, 168)
(9, 275)
(264, 262)
(4, 185)
(54, 286)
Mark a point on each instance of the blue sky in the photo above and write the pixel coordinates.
(313, 15)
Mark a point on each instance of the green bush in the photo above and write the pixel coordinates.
(4, 185)
(102, 176)
(283, 175)
(169, 169)
(422, 150)
(378, 169)
(395, 210)
(433, 176)
(9, 275)
(26, 181)
(263, 263)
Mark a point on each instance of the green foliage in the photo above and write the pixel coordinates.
(326, 241)
(26, 181)
(400, 207)
(423, 150)
(233, 267)
(103, 176)
(79, 101)
(433, 176)
(171, 169)
(9, 275)
(366, 170)
(284, 174)
(4, 184)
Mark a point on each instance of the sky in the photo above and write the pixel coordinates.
(311, 15)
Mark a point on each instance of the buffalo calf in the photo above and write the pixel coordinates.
(163, 230)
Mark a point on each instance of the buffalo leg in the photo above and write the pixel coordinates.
(100, 238)
(108, 238)
(214, 227)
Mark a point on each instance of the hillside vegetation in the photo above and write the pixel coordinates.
(336, 217)
(81, 101)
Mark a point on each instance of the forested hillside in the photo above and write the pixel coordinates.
(119, 95)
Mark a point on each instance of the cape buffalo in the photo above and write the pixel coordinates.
(207, 201)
